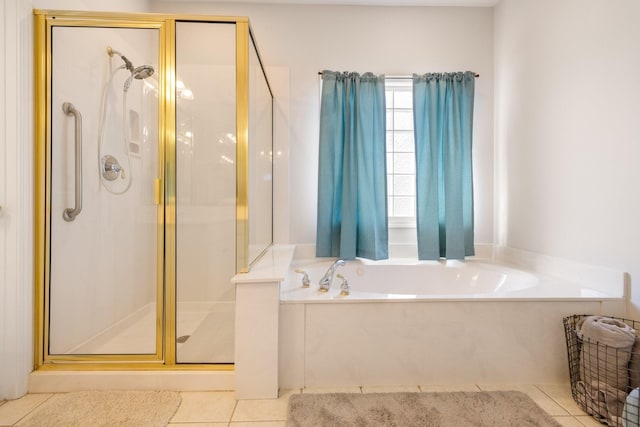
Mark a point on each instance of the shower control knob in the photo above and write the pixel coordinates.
(111, 169)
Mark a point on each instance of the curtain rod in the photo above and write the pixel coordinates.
(401, 77)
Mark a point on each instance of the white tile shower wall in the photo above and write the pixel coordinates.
(206, 163)
(279, 81)
(261, 156)
(425, 343)
(104, 262)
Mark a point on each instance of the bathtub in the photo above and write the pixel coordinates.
(408, 322)
(404, 279)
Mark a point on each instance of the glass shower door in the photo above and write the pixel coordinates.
(205, 191)
(105, 271)
(154, 186)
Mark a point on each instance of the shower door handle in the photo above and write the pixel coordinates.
(71, 214)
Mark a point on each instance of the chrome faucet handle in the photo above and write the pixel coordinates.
(305, 279)
(344, 286)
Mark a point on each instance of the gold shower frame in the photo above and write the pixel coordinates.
(165, 356)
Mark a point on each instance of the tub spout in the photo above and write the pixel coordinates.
(325, 282)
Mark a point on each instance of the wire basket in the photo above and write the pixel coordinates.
(605, 379)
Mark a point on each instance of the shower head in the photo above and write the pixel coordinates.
(142, 72)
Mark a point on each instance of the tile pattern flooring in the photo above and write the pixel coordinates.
(221, 409)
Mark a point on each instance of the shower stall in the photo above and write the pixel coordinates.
(154, 186)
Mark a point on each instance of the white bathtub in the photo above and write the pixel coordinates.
(403, 279)
(409, 323)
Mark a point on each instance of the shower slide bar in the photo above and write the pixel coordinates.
(71, 214)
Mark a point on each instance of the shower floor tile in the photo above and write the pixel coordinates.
(138, 337)
(209, 327)
(212, 340)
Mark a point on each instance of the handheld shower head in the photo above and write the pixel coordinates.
(141, 72)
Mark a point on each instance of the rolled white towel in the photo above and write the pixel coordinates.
(608, 331)
(606, 349)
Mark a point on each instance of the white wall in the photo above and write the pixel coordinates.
(390, 40)
(16, 182)
(16, 209)
(567, 131)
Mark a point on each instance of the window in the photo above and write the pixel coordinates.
(401, 163)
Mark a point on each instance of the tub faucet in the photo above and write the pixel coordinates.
(325, 282)
(344, 287)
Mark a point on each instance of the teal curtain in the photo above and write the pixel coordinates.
(443, 123)
(352, 192)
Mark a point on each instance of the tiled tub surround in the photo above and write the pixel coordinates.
(488, 323)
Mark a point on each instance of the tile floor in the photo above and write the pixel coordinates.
(221, 409)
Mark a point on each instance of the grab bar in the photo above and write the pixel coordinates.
(71, 214)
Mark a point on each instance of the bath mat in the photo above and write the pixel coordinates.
(483, 408)
(105, 408)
